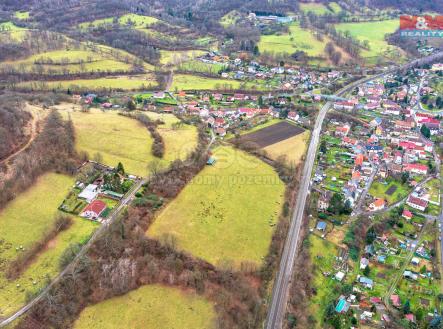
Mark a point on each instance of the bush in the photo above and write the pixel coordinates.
(69, 254)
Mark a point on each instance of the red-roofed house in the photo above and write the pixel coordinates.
(359, 159)
(293, 116)
(378, 204)
(356, 176)
(240, 97)
(220, 123)
(94, 209)
(417, 203)
(346, 141)
(395, 299)
(220, 131)
(248, 112)
(345, 105)
(375, 300)
(416, 168)
(408, 125)
(410, 317)
(407, 214)
(342, 131)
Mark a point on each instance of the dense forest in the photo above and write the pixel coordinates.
(13, 118)
(410, 6)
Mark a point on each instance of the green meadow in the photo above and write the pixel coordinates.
(228, 212)
(150, 307)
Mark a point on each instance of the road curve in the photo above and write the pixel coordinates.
(277, 307)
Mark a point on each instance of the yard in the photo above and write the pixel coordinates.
(434, 187)
(23, 222)
(228, 212)
(323, 255)
(391, 190)
(150, 307)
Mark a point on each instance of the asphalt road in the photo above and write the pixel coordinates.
(281, 286)
(277, 307)
(112, 217)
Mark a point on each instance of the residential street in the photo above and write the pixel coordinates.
(277, 307)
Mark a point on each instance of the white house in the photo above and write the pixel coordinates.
(89, 193)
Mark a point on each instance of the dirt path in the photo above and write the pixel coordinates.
(33, 129)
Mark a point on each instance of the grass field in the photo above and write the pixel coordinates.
(227, 213)
(201, 67)
(193, 82)
(28, 217)
(374, 33)
(23, 222)
(115, 137)
(316, 8)
(179, 56)
(292, 148)
(138, 82)
(137, 21)
(22, 15)
(296, 39)
(179, 140)
(150, 307)
(70, 61)
(230, 18)
(9, 26)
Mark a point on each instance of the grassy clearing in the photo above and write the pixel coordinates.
(23, 222)
(374, 33)
(292, 148)
(28, 217)
(150, 307)
(136, 21)
(179, 56)
(10, 27)
(193, 82)
(138, 82)
(316, 8)
(22, 15)
(227, 213)
(201, 67)
(70, 61)
(115, 137)
(297, 39)
(179, 140)
(336, 8)
(230, 18)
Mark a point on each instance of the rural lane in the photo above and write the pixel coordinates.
(277, 307)
(112, 218)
